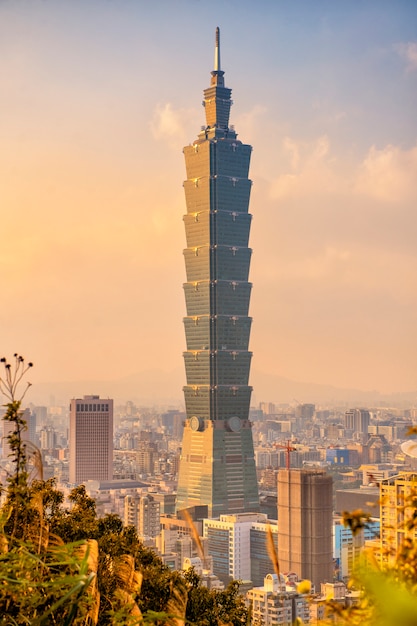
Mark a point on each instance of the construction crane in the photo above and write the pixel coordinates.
(288, 448)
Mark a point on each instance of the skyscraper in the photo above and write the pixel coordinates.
(91, 439)
(217, 464)
(305, 520)
(357, 420)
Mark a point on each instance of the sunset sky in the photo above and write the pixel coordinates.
(97, 100)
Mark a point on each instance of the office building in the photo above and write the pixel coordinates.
(229, 544)
(217, 465)
(305, 518)
(260, 556)
(357, 420)
(91, 439)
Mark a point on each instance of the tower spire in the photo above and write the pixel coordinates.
(217, 51)
(217, 73)
(217, 97)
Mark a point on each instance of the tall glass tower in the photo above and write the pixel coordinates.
(217, 464)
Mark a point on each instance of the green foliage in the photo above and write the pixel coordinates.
(50, 588)
(42, 582)
(18, 513)
(210, 607)
(356, 520)
(65, 566)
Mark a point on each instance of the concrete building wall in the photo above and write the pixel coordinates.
(305, 517)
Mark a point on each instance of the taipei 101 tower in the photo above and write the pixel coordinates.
(217, 465)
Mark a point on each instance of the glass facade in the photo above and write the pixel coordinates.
(217, 466)
(260, 560)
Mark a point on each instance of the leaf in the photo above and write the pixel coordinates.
(272, 551)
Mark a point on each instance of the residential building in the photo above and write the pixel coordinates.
(398, 509)
(142, 512)
(48, 438)
(276, 604)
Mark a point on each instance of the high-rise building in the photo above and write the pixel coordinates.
(142, 512)
(28, 434)
(48, 438)
(260, 556)
(229, 544)
(305, 411)
(91, 439)
(217, 464)
(357, 420)
(397, 504)
(305, 520)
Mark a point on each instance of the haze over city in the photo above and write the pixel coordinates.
(98, 99)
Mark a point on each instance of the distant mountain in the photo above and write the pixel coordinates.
(147, 388)
(271, 388)
(164, 389)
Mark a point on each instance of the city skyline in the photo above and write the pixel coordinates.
(94, 118)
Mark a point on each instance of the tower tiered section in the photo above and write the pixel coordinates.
(217, 465)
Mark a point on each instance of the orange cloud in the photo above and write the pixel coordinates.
(389, 174)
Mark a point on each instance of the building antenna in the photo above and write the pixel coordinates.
(217, 51)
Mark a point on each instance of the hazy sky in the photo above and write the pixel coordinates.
(97, 99)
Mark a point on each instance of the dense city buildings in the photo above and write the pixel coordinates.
(305, 518)
(217, 464)
(91, 439)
